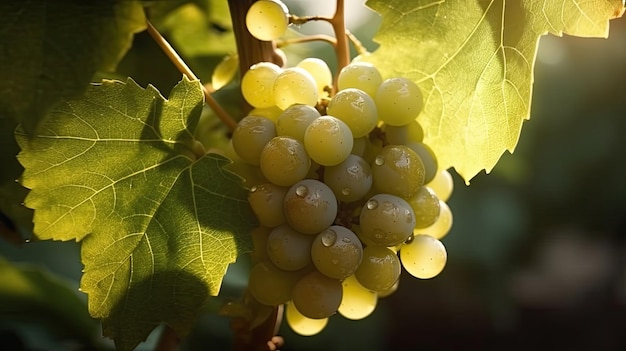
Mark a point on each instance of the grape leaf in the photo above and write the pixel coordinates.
(474, 62)
(158, 225)
(49, 50)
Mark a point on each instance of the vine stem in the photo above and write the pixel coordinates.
(184, 69)
(338, 22)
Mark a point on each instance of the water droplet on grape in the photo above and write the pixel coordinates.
(346, 191)
(329, 237)
(409, 239)
(254, 188)
(302, 190)
(380, 160)
(372, 204)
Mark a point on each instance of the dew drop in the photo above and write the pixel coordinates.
(254, 189)
(346, 191)
(329, 237)
(372, 204)
(380, 160)
(410, 239)
(302, 190)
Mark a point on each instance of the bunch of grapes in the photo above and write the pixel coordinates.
(345, 191)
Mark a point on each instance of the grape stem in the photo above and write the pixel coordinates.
(184, 69)
(308, 38)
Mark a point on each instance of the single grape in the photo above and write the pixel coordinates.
(319, 71)
(402, 135)
(398, 170)
(399, 101)
(270, 285)
(303, 325)
(424, 257)
(284, 161)
(267, 19)
(390, 291)
(266, 201)
(356, 109)
(295, 86)
(426, 207)
(310, 206)
(257, 84)
(386, 220)
(358, 302)
(317, 296)
(442, 184)
(379, 270)
(295, 119)
(428, 158)
(442, 225)
(360, 75)
(288, 249)
(336, 252)
(251, 136)
(328, 140)
(350, 180)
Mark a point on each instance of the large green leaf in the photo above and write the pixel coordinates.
(49, 50)
(474, 62)
(159, 225)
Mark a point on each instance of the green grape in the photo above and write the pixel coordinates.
(379, 270)
(360, 75)
(398, 170)
(390, 291)
(359, 145)
(267, 19)
(402, 135)
(320, 72)
(225, 71)
(358, 302)
(386, 220)
(295, 86)
(288, 249)
(251, 136)
(271, 113)
(424, 257)
(442, 184)
(350, 180)
(270, 285)
(259, 244)
(266, 201)
(356, 109)
(284, 161)
(399, 101)
(257, 84)
(428, 158)
(317, 296)
(442, 225)
(328, 140)
(295, 119)
(310, 206)
(426, 207)
(336, 252)
(303, 325)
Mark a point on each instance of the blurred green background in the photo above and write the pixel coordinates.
(536, 255)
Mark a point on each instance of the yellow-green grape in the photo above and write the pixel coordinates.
(266, 201)
(402, 135)
(295, 86)
(328, 140)
(320, 72)
(303, 325)
(317, 296)
(427, 155)
(350, 180)
(399, 101)
(251, 136)
(356, 109)
(270, 285)
(267, 19)
(288, 249)
(360, 75)
(225, 71)
(358, 302)
(442, 184)
(257, 84)
(390, 291)
(386, 220)
(271, 113)
(424, 257)
(336, 252)
(398, 170)
(310, 206)
(295, 119)
(442, 225)
(284, 161)
(259, 243)
(379, 269)
(426, 207)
